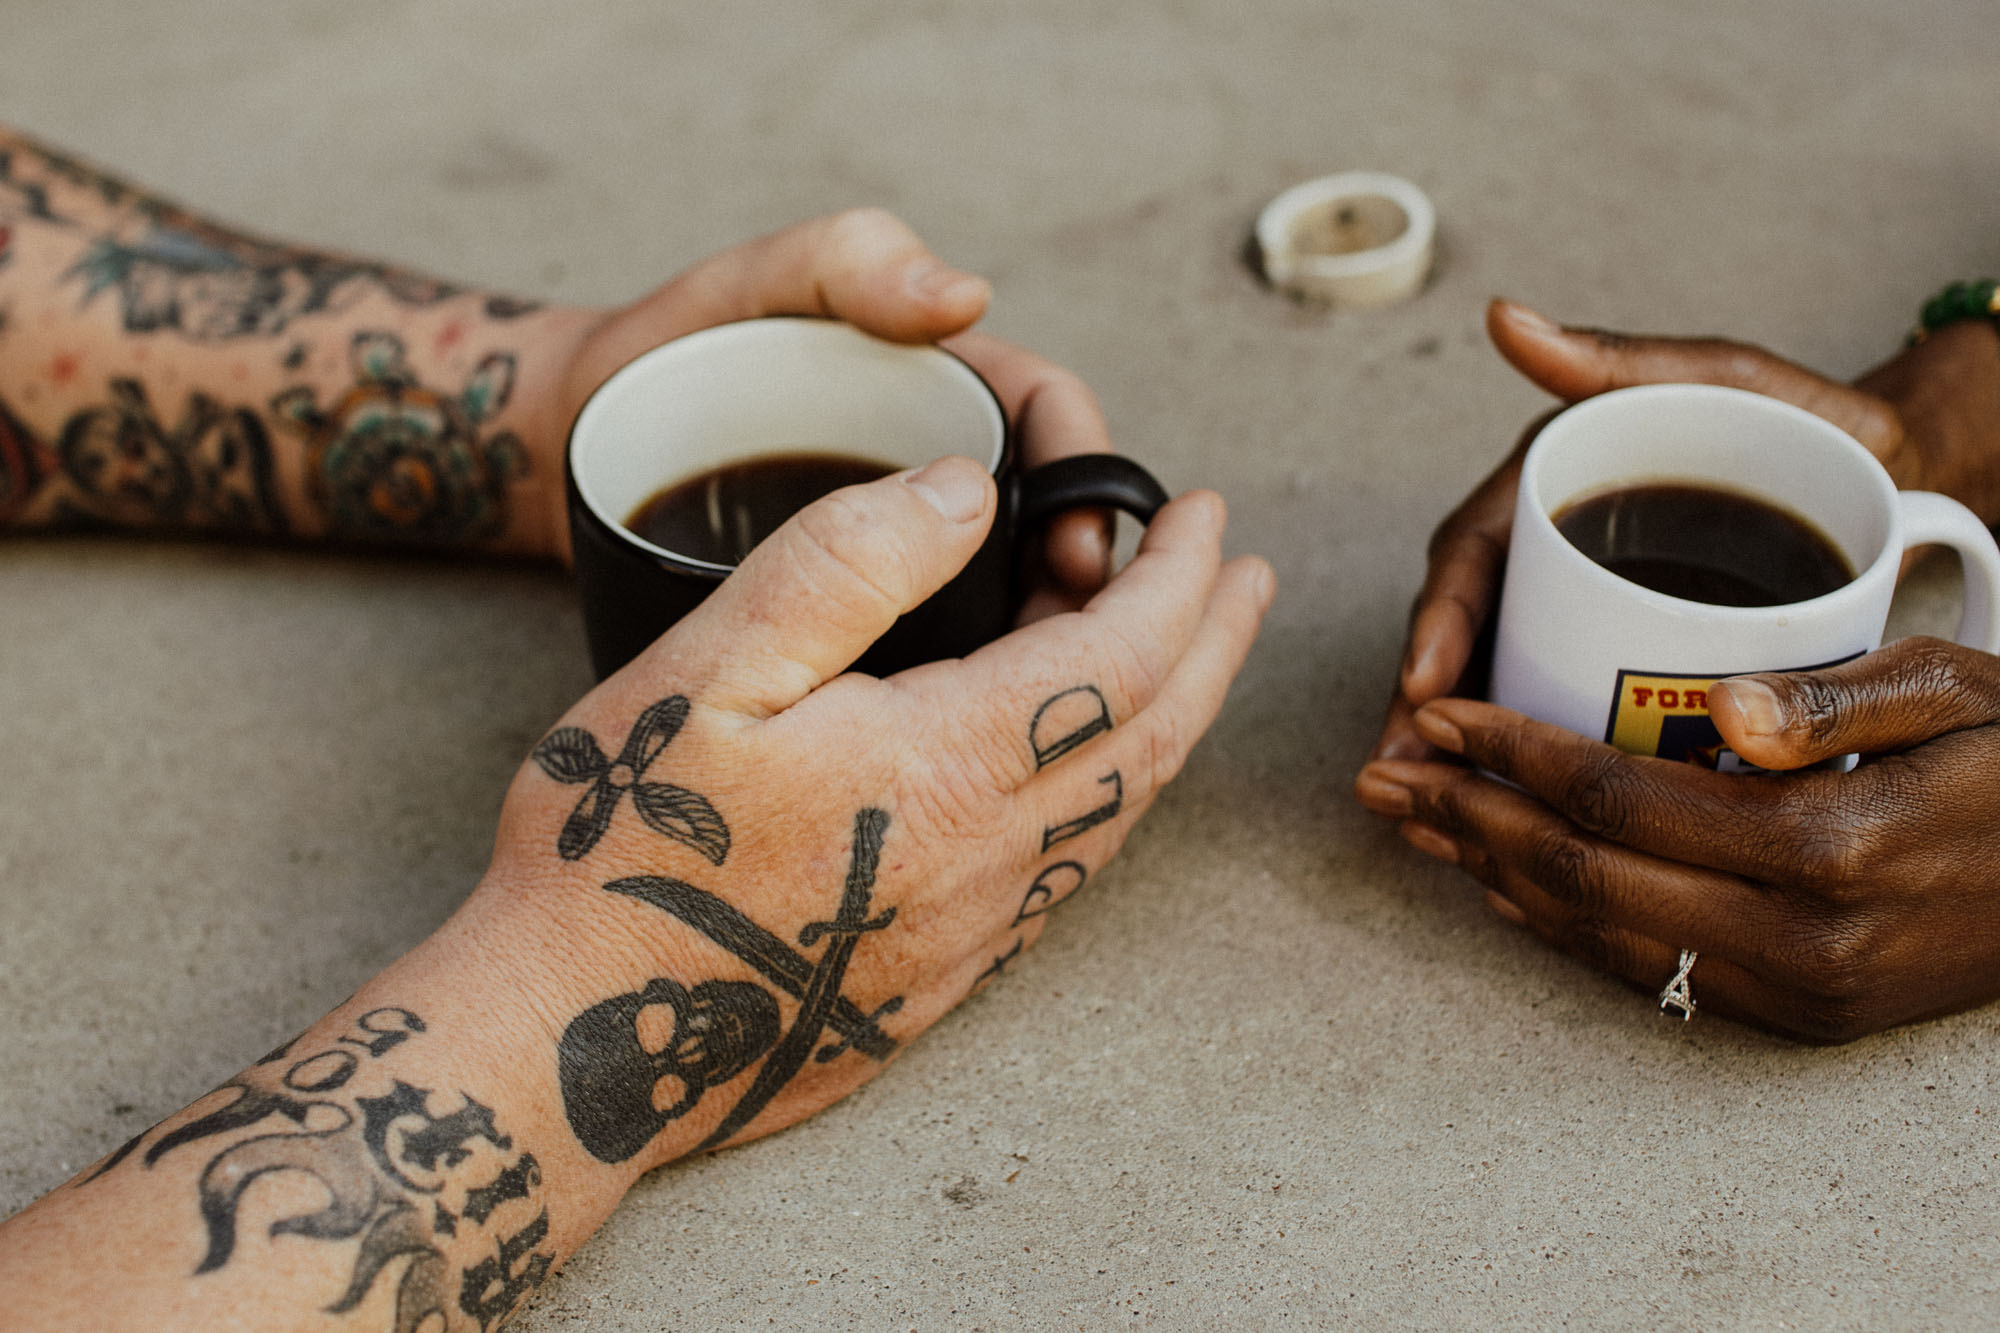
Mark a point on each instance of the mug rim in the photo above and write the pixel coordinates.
(691, 343)
(1550, 439)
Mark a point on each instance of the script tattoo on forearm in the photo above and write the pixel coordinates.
(407, 1177)
(621, 1090)
(394, 461)
(571, 754)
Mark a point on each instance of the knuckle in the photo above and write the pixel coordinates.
(1131, 669)
(1832, 1022)
(953, 802)
(847, 550)
(1740, 363)
(1832, 849)
(1815, 708)
(1937, 669)
(1838, 964)
(1601, 794)
(1166, 749)
(1590, 940)
(1565, 868)
(863, 225)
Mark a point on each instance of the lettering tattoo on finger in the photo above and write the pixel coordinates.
(631, 1065)
(1000, 961)
(1083, 823)
(571, 754)
(1065, 721)
(403, 1174)
(1053, 886)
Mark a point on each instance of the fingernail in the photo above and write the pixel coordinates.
(934, 280)
(1440, 730)
(1534, 321)
(1756, 704)
(1383, 796)
(1430, 842)
(1267, 586)
(1506, 907)
(955, 487)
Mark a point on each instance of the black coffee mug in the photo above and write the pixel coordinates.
(761, 387)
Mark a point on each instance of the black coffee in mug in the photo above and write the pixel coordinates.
(695, 451)
(1704, 544)
(720, 514)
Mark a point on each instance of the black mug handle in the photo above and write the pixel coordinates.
(1087, 481)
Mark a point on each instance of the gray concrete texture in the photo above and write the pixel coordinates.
(1275, 1069)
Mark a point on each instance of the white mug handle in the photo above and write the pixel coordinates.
(1929, 517)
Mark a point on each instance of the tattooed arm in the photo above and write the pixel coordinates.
(160, 371)
(728, 888)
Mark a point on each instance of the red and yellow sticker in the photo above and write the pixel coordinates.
(1667, 716)
(1662, 714)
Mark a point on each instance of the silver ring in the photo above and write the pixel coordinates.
(1678, 994)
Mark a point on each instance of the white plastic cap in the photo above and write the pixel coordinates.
(1361, 238)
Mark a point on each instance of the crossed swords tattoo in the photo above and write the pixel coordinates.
(720, 1028)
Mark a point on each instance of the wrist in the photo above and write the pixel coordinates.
(544, 407)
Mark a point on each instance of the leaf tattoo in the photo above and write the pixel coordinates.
(572, 755)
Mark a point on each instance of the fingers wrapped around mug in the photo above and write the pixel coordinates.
(1822, 904)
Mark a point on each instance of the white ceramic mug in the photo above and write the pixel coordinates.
(1581, 647)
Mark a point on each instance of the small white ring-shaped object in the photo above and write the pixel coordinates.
(1361, 238)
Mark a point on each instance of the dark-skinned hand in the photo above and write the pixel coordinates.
(1824, 905)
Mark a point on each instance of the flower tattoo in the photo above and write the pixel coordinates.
(571, 754)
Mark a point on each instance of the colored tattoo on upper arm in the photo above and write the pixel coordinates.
(408, 1177)
(391, 460)
(620, 1090)
(571, 754)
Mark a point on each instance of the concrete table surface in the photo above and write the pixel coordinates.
(1275, 1069)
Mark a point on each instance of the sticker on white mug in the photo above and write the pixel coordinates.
(1665, 714)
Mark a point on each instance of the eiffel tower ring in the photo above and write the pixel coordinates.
(1677, 994)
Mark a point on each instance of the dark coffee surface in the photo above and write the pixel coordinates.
(718, 516)
(1704, 544)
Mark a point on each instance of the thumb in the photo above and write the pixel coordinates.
(1896, 697)
(1576, 363)
(817, 592)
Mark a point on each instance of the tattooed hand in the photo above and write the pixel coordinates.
(782, 874)
(727, 888)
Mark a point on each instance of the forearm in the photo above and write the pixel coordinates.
(159, 371)
(407, 1154)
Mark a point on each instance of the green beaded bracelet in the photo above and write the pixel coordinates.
(1961, 300)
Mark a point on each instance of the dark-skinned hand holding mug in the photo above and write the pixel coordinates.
(1822, 905)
